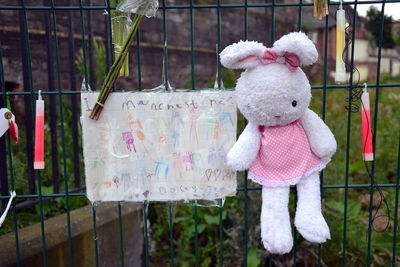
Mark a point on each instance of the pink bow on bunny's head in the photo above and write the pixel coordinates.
(291, 60)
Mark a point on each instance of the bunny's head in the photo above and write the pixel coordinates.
(273, 90)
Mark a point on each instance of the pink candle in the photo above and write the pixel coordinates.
(39, 134)
(368, 154)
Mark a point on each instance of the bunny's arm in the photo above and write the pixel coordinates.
(245, 150)
(320, 137)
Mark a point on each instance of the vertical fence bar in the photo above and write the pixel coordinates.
(28, 101)
(270, 258)
(109, 39)
(92, 77)
(171, 233)
(3, 166)
(245, 215)
(319, 259)
(64, 155)
(96, 242)
(375, 133)
(219, 43)
(196, 235)
(350, 95)
(295, 234)
(192, 45)
(138, 58)
(41, 211)
(53, 102)
(73, 97)
(121, 236)
(3, 149)
(82, 24)
(145, 233)
(165, 77)
(109, 62)
(28, 86)
(396, 208)
(219, 81)
(165, 56)
(221, 234)
(10, 162)
(273, 22)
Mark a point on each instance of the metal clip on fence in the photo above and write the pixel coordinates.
(165, 85)
(218, 84)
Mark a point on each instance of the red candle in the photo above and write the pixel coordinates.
(39, 134)
(368, 154)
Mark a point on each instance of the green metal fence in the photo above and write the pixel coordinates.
(65, 96)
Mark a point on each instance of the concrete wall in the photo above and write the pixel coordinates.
(30, 241)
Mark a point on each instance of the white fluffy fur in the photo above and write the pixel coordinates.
(321, 139)
(308, 219)
(297, 43)
(232, 55)
(264, 92)
(245, 150)
(276, 233)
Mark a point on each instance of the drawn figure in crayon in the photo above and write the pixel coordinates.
(212, 125)
(188, 161)
(176, 119)
(212, 157)
(217, 129)
(216, 157)
(194, 116)
(161, 170)
(116, 181)
(135, 125)
(175, 138)
(98, 161)
(221, 155)
(222, 119)
(162, 142)
(129, 141)
(143, 179)
(177, 163)
(126, 181)
(197, 160)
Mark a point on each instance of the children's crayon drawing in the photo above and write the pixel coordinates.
(159, 146)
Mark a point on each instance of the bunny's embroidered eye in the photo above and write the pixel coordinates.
(294, 103)
(8, 115)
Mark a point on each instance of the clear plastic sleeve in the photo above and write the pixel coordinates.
(143, 7)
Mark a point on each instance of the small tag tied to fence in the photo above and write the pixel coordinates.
(159, 146)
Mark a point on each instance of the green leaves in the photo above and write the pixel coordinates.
(253, 259)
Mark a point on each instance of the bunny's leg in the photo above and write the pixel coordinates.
(276, 232)
(309, 220)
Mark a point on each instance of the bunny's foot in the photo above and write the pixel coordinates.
(309, 220)
(276, 233)
(313, 228)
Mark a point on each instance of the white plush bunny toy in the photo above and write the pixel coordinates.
(284, 142)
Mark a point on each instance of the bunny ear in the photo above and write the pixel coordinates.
(299, 44)
(242, 55)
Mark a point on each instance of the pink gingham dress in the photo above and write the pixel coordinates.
(284, 157)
